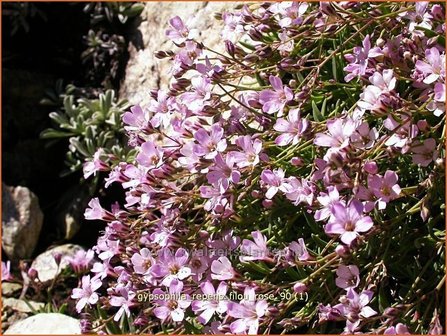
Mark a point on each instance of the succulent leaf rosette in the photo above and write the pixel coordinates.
(292, 183)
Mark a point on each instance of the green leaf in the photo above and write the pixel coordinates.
(134, 10)
(190, 328)
(316, 112)
(59, 118)
(247, 45)
(52, 133)
(334, 69)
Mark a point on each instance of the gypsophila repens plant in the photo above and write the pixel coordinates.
(94, 130)
(291, 184)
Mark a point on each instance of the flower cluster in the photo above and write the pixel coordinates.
(318, 133)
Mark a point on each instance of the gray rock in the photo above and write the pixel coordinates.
(46, 266)
(10, 288)
(46, 324)
(144, 71)
(21, 306)
(21, 222)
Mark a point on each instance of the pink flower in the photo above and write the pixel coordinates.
(100, 269)
(298, 190)
(213, 301)
(251, 151)
(419, 18)
(233, 26)
(142, 261)
(434, 67)
(199, 97)
(199, 264)
(173, 303)
(247, 312)
(384, 81)
(150, 156)
(86, 294)
(339, 132)
(274, 180)
(355, 307)
(292, 128)
(296, 251)
(327, 200)
(124, 301)
(364, 137)
(291, 12)
(222, 173)
(348, 222)
(360, 58)
(209, 144)
(95, 165)
(95, 211)
(170, 266)
(385, 188)
(347, 276)
(399, 329)
(161, 108)
(275, 100)
(80, 262)
(425, 152)
(256, 250)
(137, 119)
(222, 270)
(6, 271)
(180, 32)
(217, 203)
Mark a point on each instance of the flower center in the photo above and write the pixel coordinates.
(174, 269)
(350, 226)
(173, 304)
(386, 191)
(196, 263)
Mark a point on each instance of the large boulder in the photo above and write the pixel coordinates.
(46, 324)
(21, 222)
(144, 71)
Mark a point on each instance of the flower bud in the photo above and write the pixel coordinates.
(204, 234)
(163, 54)
(256, 194)
(380, 42)
(32, 274)
(327, 8)
(229, 47)
(255, 34)
(272, 311)
(57, 257)
(371, 167)
(267, 203)
(342, 251)
(438, 13)
(252, 58)
(296, 161)
(422, 125)
(299, 287)
(391, 312)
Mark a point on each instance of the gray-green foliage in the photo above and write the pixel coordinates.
(90, 124)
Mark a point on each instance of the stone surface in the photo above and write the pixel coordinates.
(21, 306)
(21, 222)
(45, 264)
(144, 71)
(10, 288)
(46, 324)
